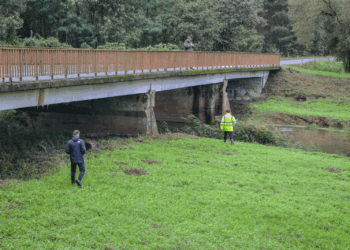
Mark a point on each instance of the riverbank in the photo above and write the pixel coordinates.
(292, 97)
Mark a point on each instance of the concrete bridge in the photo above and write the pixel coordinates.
(127, 91)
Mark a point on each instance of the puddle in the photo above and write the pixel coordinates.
(333, 142)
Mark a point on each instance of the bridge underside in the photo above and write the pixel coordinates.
(135, 114)
(136, 105)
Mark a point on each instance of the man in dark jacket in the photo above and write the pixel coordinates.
(76, 149)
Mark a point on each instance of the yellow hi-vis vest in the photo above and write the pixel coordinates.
(227, 122)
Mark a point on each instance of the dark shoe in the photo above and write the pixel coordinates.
(78, 182)
(232, 142)
(73, 183)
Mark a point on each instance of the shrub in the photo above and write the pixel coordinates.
(85, 46)
(50, 42)
(117, 46)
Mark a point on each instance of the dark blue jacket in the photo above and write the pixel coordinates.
(76, 149)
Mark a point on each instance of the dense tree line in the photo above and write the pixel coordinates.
(269, 26)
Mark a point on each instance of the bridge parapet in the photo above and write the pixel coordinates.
(17, 63)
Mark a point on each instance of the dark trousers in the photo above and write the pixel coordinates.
(73, 169)
(228, 132)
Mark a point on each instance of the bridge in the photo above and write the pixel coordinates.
(127, 91)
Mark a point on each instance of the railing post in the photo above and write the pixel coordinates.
(65, 64)
(10, 65)
(95, 63)
(20, 55)
(2, 68)
(51, 63)
(79, 62)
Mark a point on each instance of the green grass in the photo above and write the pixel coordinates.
(318, 72)
(335, 109)
(305, 57)
(258, 197)
(329, 66)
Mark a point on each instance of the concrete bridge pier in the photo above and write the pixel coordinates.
(151, 123)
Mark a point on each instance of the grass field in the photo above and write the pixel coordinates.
(335, 109)
(318, 72)
(201, 194)
(329, 66)
(305, 57)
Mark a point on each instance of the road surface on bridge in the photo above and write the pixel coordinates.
(290, 62)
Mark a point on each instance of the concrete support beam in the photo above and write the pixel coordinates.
(132, 114)
(225, 100)
(151, 126)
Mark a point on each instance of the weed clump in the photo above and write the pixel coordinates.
(135, 171)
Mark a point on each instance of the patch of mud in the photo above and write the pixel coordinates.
(234, 182)
(152, 162)
(121, 163)
(333, 170)
(225, 153)
(135, 171)
(194, 163)
(157, 226)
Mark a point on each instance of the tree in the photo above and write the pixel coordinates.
(278, 33)
(190, 18)
(309, 15)
(109, 21)
(43, 17)
(10, 20)
(238, 20)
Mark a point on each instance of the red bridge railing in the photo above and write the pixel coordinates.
(36, 62)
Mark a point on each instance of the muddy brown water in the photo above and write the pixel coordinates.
(332, 142)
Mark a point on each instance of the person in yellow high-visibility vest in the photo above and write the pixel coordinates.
(227, 123)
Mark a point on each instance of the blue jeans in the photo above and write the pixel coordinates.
(228, 132)
(73, 169)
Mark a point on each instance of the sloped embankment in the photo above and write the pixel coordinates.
(295, 98)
